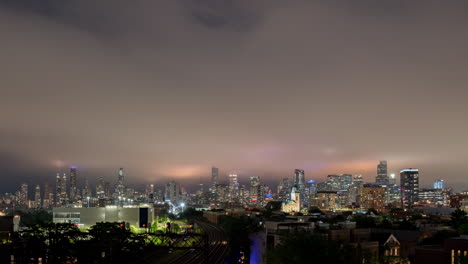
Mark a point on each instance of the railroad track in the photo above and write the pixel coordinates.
(217, 248)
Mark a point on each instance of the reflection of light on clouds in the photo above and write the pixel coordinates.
(183, 171)
(57, 163)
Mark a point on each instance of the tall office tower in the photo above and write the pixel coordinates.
(48, 200)
(284, 189)
(58, 190)
(409, 184)
(120, 187)
(233, 187)
(214, 177)
(355, 190)
(73, 188)
(107, 189)
(64, 189)
(382, 174)
(373, 197)
(439, 184)
(299, 179)
(300, 184)
(100, 188)
(254, 189)
(37, 197)
(172, 192)
(23, 198)
(86, 190)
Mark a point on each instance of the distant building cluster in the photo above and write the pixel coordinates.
(295, 193)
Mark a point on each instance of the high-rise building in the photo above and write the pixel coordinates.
(120, 187)
(86, 190)
(409, 184)
(299, 179)
(64, 189)
(48, 199)
(300, 185)
(372, 197)
(233, 187)
(23, 198)
(58, 190)
(284, 189)
(382, 173)
(73, 188)
(100, 194)
(214, 177)
(439, 184)
(37, 197)
(172, 192)
(354, 191)
(107, 189)
(254, 189)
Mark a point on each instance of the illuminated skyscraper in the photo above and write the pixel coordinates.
(254, 189)
(382, 173)
(100, 188)
(214, 177)
(73, 188)
(86, 190)
(409, 184)
(23, 198)
(120, 187)
(172, 192)
(64, 189)
(439, 184)
(284, 189)
(48, 199)
(233, 187)
(37, 197)
(300, 184)
(58, 190)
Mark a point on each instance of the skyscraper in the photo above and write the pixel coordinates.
(73, 188)
(214, 177)
(409, 184)
(23, 199)
(233, 187)
(86, 190)
(64, 189)
(48, 198)
(100, 188)
(37, 197)
(382, 173)
(58, 190)
(299, 178)
(254, 189)
(439, 184)
(172, 192)
(284, 189)
(120, 187)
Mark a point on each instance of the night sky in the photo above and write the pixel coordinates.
(166, 89)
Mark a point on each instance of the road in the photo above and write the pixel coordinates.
(217, 248)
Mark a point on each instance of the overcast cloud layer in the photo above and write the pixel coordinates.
(166, 89)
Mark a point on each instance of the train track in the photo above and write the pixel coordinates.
(217, 247)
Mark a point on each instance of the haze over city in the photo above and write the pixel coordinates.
(167, 89)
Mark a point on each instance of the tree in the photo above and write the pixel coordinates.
(458, 218)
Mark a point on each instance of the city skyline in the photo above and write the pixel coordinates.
(257, 88)
(222, 177)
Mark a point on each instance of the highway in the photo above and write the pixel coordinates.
(217, 248)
